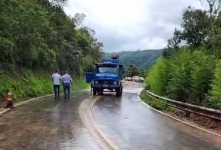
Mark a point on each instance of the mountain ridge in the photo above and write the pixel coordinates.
(142, 59)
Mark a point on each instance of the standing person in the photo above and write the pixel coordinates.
(56, 84)
(67, 81)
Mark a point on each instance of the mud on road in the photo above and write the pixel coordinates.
(46, 125)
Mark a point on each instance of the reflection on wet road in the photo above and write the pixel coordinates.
(46, 125)
(133, 126)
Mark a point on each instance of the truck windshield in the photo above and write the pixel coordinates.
(107, 69)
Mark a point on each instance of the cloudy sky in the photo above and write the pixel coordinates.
(131, 24)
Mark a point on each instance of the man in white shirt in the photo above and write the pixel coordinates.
(56, 84)
(66, 81)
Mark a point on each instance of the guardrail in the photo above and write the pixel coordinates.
(188, 108)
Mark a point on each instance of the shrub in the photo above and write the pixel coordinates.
(158, 76)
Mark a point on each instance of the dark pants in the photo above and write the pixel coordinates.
(57, 91)
(66, 89)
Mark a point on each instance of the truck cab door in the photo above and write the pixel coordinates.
(90, 75)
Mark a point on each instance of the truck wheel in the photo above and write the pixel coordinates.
(119, 91)
(94, 92)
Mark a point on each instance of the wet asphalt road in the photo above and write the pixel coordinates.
(134, 126)
(46, 125)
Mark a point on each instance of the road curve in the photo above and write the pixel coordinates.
(134, 126)
(46, 125)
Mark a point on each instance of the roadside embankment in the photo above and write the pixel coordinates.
(30, 85)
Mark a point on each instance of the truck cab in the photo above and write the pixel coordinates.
(106, 75)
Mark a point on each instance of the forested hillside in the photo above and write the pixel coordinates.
(142, 59)
(192, 73)
(37, 37)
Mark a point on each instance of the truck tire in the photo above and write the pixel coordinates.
(94, 92)
(119, 91)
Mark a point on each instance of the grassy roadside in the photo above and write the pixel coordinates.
(156, 104)
(29, 85)
(80, 84)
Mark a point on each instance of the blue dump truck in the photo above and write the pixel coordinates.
(106, 75)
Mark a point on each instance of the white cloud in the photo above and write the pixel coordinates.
(131, 24)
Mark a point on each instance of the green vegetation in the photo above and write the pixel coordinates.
(159, 105)
(142, 59)
(37, 37)
(132, 71)
(191, 73)
(32, 84)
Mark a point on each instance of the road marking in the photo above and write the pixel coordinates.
(104, 141)
(90, 126)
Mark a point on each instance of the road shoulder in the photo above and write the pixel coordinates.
(186, 122)
(4, 110)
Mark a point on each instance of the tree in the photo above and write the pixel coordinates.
(143, 72)
(194, 32)
(132, 71)
(194, 29)
(48, 39)
(195, 24)
(213, 6)
(191, 72)
(79, 19)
